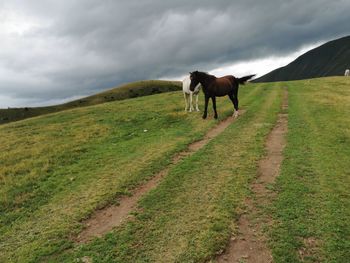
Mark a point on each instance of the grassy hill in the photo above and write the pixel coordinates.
(330, 59)
(58, 168)
(126, 91)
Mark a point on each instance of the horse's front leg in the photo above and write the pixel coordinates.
(214, 107)
(186, 104)
(197, 109)
(206, 107)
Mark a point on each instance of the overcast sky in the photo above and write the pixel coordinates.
(52, 51)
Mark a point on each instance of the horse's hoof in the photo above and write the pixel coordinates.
(204, 117)
(215, 117)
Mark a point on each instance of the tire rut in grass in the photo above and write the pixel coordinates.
(250, 244)
(104, 220)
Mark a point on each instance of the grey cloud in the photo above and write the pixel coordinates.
(81, 47)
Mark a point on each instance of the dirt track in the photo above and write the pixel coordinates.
(250, 245)
(104, 220)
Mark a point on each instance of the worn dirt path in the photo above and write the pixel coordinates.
(251, 245)
(104, 220)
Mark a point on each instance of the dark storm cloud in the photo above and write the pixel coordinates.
(58, 49)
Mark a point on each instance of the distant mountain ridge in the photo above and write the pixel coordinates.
(329, 59)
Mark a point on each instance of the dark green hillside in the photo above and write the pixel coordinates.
(126, 91)
(330, 59)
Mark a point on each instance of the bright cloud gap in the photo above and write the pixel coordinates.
(258, 67)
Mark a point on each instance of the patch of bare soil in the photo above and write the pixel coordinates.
(104, 220)
(309, 249)
(250, 244)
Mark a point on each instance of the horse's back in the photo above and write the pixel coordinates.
(230, 78)
(224, 85)
(222, 82)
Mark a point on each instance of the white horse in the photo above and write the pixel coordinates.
(347, 72)
(188, 94)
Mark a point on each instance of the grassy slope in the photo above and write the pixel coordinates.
(57, 168)
(126, 91)
(188, 217)
(312, 209)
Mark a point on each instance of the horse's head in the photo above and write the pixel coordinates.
(194, 80)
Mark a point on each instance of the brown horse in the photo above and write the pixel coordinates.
(217, 87)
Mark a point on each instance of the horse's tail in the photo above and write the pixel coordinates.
(243, 80)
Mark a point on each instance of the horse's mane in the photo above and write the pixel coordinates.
(206, 74)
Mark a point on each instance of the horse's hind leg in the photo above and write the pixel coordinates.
(234, 100)
(214, 107)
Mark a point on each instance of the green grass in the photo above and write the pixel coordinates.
(125, 91)
(188, 217)
(312, 208)
(56, 169)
